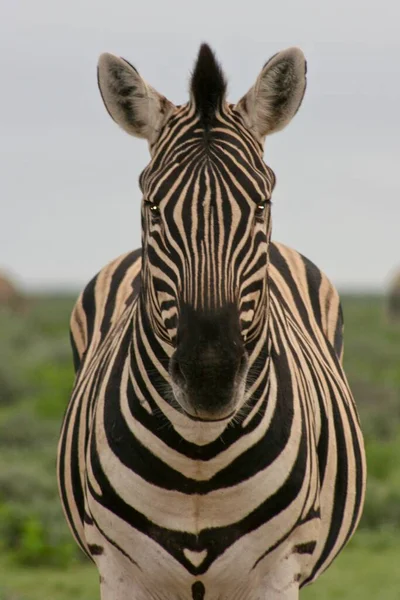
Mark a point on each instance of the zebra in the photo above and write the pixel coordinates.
(211, 448)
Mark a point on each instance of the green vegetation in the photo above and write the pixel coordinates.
(39, 559)
(77, 582)
(36, 377)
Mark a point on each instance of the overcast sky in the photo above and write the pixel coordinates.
(68, 175)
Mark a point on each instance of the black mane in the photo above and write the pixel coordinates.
(208, 85)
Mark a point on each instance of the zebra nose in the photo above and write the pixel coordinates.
(209, 368)
(177, 371)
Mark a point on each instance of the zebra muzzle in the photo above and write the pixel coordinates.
(209, 386)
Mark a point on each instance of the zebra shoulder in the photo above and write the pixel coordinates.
(294, 273)
(106, 295)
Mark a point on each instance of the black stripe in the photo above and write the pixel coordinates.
(304, 548)
(279, 262)
(314, 280)
(338, 339)
(62, 457)
(75, 354)
(87, 519)
(89, 307)
(95, 549)
(198, 591)
(116, 279)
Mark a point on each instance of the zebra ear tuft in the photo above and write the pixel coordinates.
(277, 94)
(208, 85)
(133, 104)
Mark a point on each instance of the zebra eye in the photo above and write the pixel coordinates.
(154, 209)
(261, 208)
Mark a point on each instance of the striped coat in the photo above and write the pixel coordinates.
(247, 506)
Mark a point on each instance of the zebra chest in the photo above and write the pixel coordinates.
(177, 495)
(194, 510)
(170, 543)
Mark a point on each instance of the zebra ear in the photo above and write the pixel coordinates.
(133, 104)
(277, 94)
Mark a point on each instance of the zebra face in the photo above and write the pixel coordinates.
(206, 217)
(206, 223)
(206, 226)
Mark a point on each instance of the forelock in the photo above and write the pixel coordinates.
(208, 86)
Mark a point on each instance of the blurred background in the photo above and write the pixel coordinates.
(70, 203)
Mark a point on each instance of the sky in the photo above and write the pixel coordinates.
(69, 198)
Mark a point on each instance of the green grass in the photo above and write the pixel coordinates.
(79, 582)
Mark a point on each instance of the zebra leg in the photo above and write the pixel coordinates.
(117, 571)
(117, 576)
(283, 583)
(116, 587)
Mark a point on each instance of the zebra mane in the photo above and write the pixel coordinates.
(207, 86)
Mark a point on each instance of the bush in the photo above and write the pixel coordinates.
(30, 541)
(382, 505)
(51, 388)
(36, 359)
(36, 378)
(11, 388)
(379, 409)
(23, 430)
(32, 524)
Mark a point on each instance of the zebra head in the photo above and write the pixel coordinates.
(206, 217)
